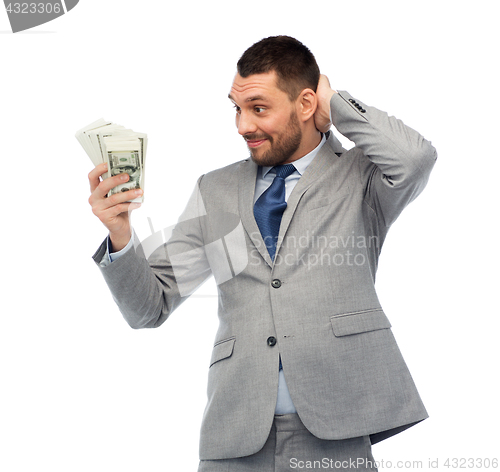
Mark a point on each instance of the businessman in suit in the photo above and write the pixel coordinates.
(305, 368)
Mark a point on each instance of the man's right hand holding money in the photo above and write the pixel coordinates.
(113, 211)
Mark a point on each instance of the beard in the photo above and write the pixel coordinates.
(281, 149)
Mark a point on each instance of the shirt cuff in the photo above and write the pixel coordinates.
(113, 256)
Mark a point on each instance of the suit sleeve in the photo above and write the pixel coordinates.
(153, 278)
(395, 160)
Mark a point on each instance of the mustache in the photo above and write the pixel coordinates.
(256, 137)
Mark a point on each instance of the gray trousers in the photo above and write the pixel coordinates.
(291, 447)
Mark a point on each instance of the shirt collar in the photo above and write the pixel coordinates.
(302, 163)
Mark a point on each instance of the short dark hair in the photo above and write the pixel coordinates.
(294, 64)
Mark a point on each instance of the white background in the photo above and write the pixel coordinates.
(80, 390)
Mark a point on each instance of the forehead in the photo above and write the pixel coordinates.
(255, 87)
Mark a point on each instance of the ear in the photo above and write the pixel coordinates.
(307, 103)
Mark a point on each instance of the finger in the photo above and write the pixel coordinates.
(117, 210)
(111, 182)
(99, 194)
(94, 175)
(118, 198)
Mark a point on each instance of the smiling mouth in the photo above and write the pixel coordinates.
(253, 143)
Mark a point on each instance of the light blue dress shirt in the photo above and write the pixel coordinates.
(284, 404)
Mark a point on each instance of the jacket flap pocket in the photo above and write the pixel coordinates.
(222, 350)
(359, 322)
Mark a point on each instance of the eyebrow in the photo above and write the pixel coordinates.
(249, 99)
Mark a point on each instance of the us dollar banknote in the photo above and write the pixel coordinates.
(124, 150)
(120, 162)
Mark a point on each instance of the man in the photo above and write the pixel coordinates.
(305, 370)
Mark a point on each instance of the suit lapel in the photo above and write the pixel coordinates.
(246, 190)
(315, 169)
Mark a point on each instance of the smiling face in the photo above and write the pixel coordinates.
(267, 119)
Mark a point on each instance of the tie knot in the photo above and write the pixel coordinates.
(284, 171)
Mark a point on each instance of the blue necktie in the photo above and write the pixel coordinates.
(268, 209)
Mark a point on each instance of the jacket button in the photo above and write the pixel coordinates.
(276, 283)
(271, 341)
(362, 110)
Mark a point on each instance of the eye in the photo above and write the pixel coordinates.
(259, 109)
(237, 108)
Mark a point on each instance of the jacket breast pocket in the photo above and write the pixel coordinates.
(326, 201)
(222, 350)
(359, 322)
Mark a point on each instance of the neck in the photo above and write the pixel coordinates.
(310, 140)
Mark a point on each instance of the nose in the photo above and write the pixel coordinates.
(245, 123)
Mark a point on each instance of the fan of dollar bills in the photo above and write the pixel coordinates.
(122, 149)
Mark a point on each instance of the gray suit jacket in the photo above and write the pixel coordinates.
(316, 305)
